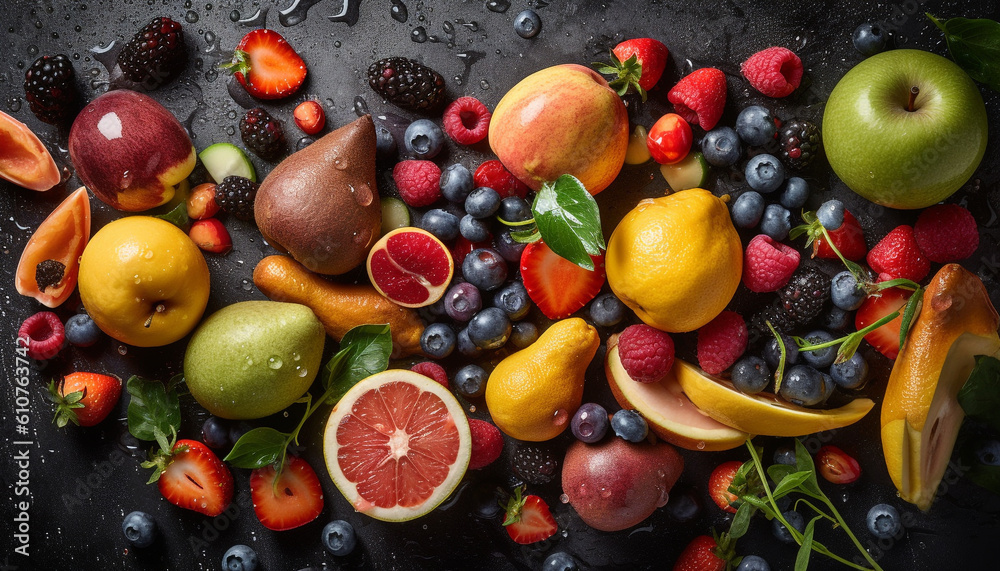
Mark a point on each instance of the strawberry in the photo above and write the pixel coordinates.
(886, 338)
(195, 479)
(267, 66)
(849, 238)
(719, 482)
(528, 519)
(487, 443)
(84, 399)
(650, 57)
(556, 285)
(899, 256)
(703, 554)
(700, 97)
(493, 174)
(286, 499)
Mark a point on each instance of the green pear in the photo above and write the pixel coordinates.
(254, 358)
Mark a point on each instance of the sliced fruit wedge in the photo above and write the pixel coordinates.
(920, 413)
(24, 160)
(225, 159)
(765, 413)
(50, 262)
(669, 412)
(410, 267)
(690, 172)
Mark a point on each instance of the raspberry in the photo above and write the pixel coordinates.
(647, 353)
(466, 120)
(899, 256)
(42, 334)
(418, 182)
(946, 233)
(767, 264)
(487, 443)
(700, 97)
(494, 175)
(721, 342)
(775, 72)
(432, 370)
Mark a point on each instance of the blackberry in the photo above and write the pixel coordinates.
(236, 195)
(50, 88)
(803, 297)
(407, 84)
(778, 318)
(262, 133)
(535, 464)
(800, 143)
(155, 54)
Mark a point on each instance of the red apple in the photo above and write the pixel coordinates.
(130, 151)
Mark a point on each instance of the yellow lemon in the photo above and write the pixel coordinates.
(532, 394)
(676, 260)
(143, 281)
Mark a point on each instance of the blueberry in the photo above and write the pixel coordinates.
(485, 268)
(751, 375)
(215, 433)
(796, 193)
(462, 301)
(870, 39)
(883, 521)
(236, 431)
(684, 504)
(482, 202)
(515, 209)
(831, 214)
(81, 331)
(456, 183)
(747, 209)
(803, 385)
(424, 139)
(441, 223)
(527, 24)
(560, 560)
(785, 455)
(792, 517)
(988, 452)
(590, 423)
(630, 425)
(513, 300)
(764, 173)
(755, 126)
(473, 229)
(470, 381)
(139, 529)
(385, 143)
(845, 292)
(820, 358)
(339, 538)
(523, 333)
(490, 328)
(509, 248)
(852, 373)
(776, 222)
(836, 319)
(240, 558)
(607, 310)
(721, 147)
(437, 340)
(772, 353)
(753, 563)
(465, 345)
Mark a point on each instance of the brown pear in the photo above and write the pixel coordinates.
(321, 204)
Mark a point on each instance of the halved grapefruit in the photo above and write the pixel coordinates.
(410, 266)
(397, 444)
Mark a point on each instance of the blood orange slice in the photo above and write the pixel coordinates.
(410, 266)
(397, 444)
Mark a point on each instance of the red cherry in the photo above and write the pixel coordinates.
(837, 466)
(669, 139)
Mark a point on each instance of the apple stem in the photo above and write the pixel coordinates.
(914, 91)
(160, 308)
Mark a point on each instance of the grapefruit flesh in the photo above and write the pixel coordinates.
(411, 267)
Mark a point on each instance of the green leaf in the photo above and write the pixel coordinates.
(741, 521)
(569, 220)
(802, 559)
(980, 396)
(367, 349)
(178, 216)
(804, 463)
(908, 312)
(974, 44)
(154, 410)
(258, 448)
(790, 482)
(333, 368)
(761, 504)
(777, 472)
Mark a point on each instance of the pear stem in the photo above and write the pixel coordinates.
(914, 91)
(160, 308)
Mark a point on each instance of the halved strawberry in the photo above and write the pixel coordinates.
(267, 66)
(886, 338)
(295, 499)
(84, 398)
(195, 479)
(719, 482)
(528, 519)
(849, 238)
(556, 285)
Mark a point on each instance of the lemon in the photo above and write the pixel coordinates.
(676, 260)
(143, 281)
(532, 394)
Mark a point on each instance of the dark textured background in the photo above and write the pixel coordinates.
(83, 481)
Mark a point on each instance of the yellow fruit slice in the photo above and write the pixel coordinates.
(765, 413)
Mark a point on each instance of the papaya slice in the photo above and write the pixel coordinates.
(50, 262)
(24, 160)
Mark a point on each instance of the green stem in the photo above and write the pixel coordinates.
(861, 332)
(816, 509)
(843, 524)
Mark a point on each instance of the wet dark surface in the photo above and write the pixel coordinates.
(83, 481)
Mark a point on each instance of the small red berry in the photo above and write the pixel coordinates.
(42, 335)
(647, 354)
(487, 443)
(418, 182)
(837, 466)
(946, 233)
(775, 72)
(310, 117)
(669, 139)
(768, 265)
(493, 174)
(432, 370)
(467, 120)
(211, 236)
(721, 342)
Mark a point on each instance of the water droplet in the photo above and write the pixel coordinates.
(303, 143)
(296, 357)
(249, 361)
(484, 84)
(190, 16)
(14, 104)
(499, 6)
(302, 372)
(560, 417)
(360, 106)
(274, 362)
(234, 16)
(136, 279)
(246, 285)
(448, 28)
(472, 408)
(418, 35)
(664, 497)
(701, 445)
(337, 44)
(605, 492)
(32, 50)
(230, 130)
(258, 20)
(148, 254)
(122, 349)
(398, 11)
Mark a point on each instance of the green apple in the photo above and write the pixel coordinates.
(897, 151)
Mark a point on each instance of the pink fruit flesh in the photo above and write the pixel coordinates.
(420, 255)
(399, 285)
